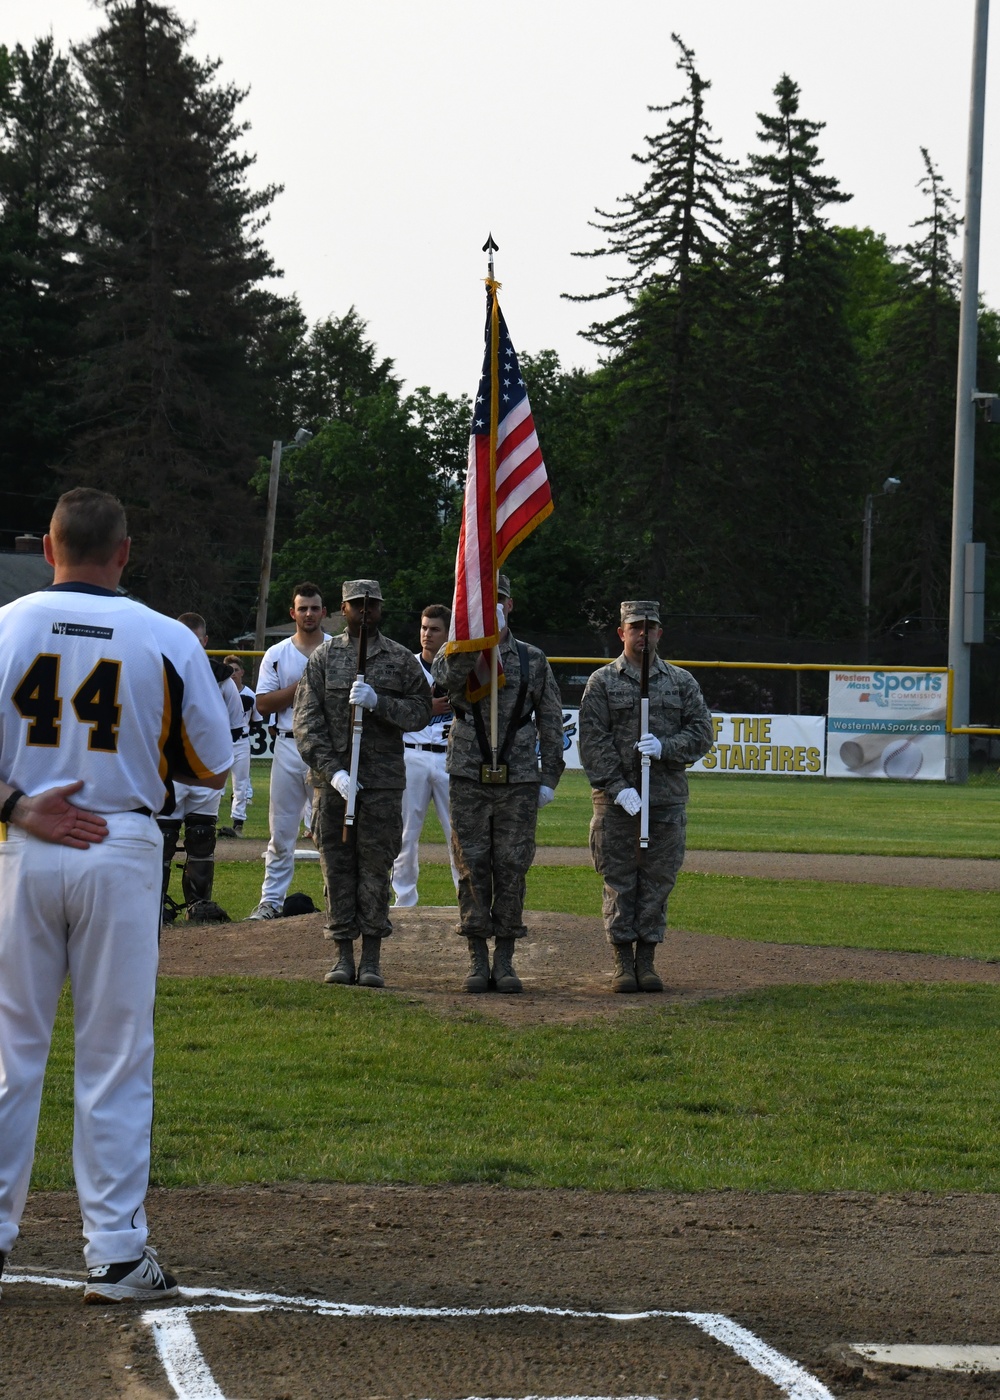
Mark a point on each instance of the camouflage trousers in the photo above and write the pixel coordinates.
(356, 872)
(637, 883)
(492, 845)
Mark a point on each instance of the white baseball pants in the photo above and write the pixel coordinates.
(426, 778)
(94, 916)
(240, 774)
(290, 789)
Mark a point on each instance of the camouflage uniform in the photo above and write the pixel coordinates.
(493, 825)
(356, 871)
(638, 883)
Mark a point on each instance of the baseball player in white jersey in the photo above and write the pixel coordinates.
(96, 687)
(424, 753)
(197, 808)
(240, 775)
(280, 672)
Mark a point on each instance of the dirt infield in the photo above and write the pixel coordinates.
(807, 1275)
(801, 1276)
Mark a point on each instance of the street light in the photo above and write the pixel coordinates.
(301, 438)
(889, 488)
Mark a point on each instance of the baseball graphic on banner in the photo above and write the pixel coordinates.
(886, 724)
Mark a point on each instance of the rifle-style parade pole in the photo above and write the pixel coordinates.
(357, 720)
(644, 729)
(489, 248)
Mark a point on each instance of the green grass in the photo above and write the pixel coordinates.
(765, 813)
(958, 923)
(840, 1088)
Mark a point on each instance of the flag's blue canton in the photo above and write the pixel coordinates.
(512, 388)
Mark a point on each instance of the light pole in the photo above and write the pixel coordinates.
(960, 639)
(889, 488)
(301, 438)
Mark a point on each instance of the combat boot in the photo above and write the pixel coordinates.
(342, 972)
(624, 978)
(504, 978)
(645, 976)
(478, 979)
(371, 950)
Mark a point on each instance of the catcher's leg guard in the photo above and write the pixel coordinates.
(171, 835)
(199, 870)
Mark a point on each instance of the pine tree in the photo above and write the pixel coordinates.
(658, 394)
(795, 425)
(914, 357)
(168, 396)
(40, 140)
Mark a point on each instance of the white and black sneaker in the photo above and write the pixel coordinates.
(265, 911)
(142, 1279)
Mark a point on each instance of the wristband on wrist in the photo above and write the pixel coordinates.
(9, 805)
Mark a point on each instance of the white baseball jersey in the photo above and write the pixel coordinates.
(435, 731)
(251, 715)
(282, 665)
(99, 687)
(234, 706)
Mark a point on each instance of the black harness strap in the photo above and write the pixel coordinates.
(516, 721)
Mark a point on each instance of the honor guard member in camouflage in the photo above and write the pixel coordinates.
(395, 697)
(638, 883)
(493, 821)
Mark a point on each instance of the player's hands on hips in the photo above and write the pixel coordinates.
(341, 780)
(629, 801)
(545, 795)
(49, 816)
(649, 744)
(362, 694)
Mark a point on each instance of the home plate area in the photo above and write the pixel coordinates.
(240, 1346)
(310, 1291)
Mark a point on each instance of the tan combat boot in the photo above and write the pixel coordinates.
(644, 974)
(371, 951)
(504, 978)
(342, 971)
(478, 979)
(624, 978)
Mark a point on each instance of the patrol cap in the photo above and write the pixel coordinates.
(355, 588)
(503, 586)
(639, 608)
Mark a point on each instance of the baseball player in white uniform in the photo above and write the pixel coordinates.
(197, 808)
(96, 687)
(279, 674)
(425, 752)
(240, 775)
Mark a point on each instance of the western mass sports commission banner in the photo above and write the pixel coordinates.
(886, 724)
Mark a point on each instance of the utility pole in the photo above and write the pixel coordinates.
(268, 549)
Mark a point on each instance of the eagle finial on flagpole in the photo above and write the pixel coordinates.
(489, 247)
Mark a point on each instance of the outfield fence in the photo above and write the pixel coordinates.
(901, 734)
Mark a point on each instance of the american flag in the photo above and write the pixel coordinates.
(506, 492)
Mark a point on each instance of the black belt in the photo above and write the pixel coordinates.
(286, 733)
(427, 748)
(141, 811)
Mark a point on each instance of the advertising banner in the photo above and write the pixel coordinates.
(765, 744)
(886, 724)
(743, 744)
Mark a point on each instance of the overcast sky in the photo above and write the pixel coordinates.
(404, 133)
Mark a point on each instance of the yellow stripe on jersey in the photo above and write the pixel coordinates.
(178, 756)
